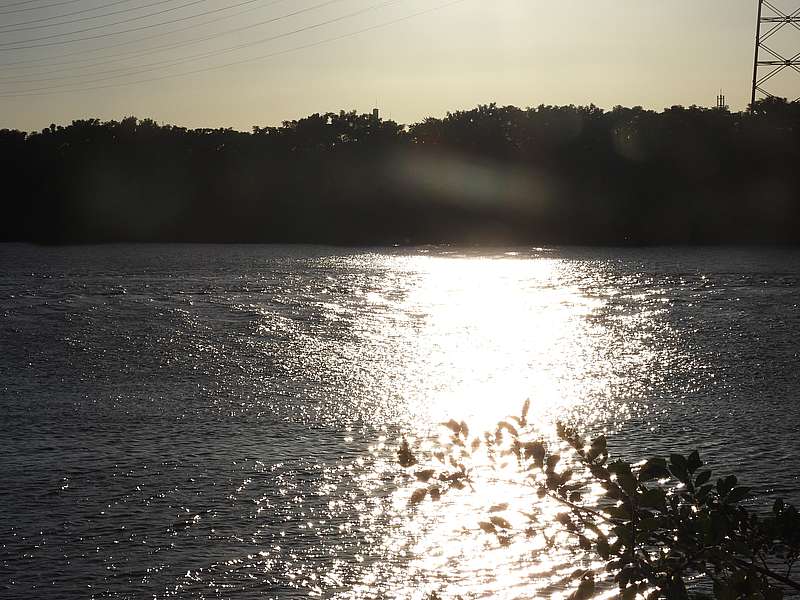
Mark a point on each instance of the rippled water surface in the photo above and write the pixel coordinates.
(221, 421)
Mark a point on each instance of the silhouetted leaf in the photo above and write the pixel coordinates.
(508, 427)
(603, 549)
(722, 591)
(598, 447)
(654, 468)
(726, 485)
(629, 593)
(553, 481)
(535, 451)
(653, 498)
(679, 467)
(676, 589)
(694, 462)
(405, 456)
(425, 475)
(648, 524)
(719, 526)
(487, 527)
(737, 494)
(418, 496)
(552, 461)
(452, 476)
(500, 522)
(613, 491)
(702, 478)
(702, 493)
(564, 519)
(585, 589)
(619, 466)
(453, 426)
(435, 493)
(619, 512)
(476, 443)
(601, 473)
(625, 478)
(499, 507)
(600, 442)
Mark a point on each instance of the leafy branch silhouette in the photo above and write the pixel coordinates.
(660, 526)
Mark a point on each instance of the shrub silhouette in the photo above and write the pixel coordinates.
(657, 526)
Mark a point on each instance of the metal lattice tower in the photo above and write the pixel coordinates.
(768, 62)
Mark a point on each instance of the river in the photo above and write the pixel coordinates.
(200, 421)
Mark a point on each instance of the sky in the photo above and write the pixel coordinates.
(240, 63)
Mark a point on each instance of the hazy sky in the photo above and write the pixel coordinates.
(654, 53)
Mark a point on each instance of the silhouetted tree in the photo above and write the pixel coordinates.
(549, 174)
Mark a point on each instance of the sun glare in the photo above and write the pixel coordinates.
(478, 336)
(494, 332)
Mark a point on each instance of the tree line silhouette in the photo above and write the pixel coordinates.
(550, 174)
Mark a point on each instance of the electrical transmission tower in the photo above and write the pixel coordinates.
(768, 61)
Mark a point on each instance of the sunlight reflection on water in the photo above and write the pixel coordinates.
(495, 331)
(472, 337)
(480, 335)
(198, 422)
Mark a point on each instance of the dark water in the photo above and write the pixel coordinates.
(219, 421)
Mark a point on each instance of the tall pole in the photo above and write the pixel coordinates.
(755, 60)
(769, 61)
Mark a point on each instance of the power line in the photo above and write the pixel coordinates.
(19, 10)
(19, 64)
(83, 39)
(246, 60)
(78, 12)
(224, 50)
(157, 49)
(199, 56)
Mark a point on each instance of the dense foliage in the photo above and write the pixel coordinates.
(491, 174)
(661, 527)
